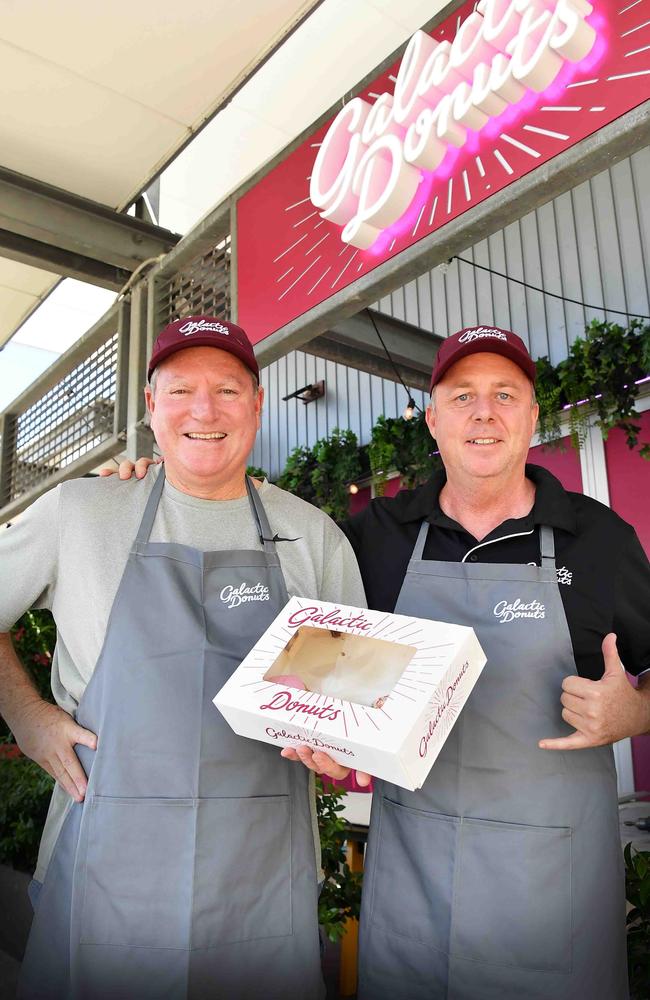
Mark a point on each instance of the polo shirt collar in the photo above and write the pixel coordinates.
(552, 503)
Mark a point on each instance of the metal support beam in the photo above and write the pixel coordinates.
(354, 342)
(7, 433)
(68, 265)
(62, 232)
(139, 438)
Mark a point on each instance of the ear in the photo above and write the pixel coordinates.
(149, 400)
(430, 417)
(259, 404)
(534, 417)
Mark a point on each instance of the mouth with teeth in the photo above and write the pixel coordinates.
(483, 441)
(212, 436)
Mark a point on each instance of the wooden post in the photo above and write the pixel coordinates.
(350, 939)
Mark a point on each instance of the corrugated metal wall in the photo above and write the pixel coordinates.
(591, 244)
(352, 399)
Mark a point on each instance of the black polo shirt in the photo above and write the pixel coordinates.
(603, 572)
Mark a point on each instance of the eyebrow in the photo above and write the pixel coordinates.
(187, 380)
(455, 386)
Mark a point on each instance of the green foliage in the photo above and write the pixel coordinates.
(340, 897)
(256, 473)
(34, 636)
(25, 791)
(637, 890)
(601, 369)
(404, 445)
(296, 477)
(337, 465)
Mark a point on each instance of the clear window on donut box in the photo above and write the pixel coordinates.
(353, 668)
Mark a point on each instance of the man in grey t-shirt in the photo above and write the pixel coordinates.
(177, 857)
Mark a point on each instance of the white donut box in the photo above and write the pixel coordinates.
(385, 706)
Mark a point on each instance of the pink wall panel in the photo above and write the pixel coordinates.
(629, 480)
(629, 492)
(393, 486)
(358, 501)
(565, 463)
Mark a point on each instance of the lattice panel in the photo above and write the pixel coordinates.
(201, 288)
(73, 417)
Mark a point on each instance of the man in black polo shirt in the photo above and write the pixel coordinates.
(502, 876)
(602, 569)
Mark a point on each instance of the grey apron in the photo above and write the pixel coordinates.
(502, 876)
(189, 870)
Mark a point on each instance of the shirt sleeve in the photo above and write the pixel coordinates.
(632, 606)
(353, 530)
(29, 549)
(341, 577)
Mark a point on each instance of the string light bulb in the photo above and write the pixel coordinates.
(409, 410)
(353, 488)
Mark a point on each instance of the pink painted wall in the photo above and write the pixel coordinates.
(565, 463)
(358, 501)
(629, 480)
(393, 486)
(629, 492)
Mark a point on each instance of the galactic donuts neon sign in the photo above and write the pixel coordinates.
(369, 165)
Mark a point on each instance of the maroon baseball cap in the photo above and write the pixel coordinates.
(203, 331)
(490, 339)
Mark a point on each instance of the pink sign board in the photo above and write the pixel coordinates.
(491, 95)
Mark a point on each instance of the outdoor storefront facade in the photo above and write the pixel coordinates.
(495, 173)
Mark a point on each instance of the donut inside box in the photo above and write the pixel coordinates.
(377, 692)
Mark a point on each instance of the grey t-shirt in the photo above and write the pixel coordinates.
(68, 551)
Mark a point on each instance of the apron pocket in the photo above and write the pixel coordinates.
(242, 885)
(412, 879)
(137, 890)
(513, 896)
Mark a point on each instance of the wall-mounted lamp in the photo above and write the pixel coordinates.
(308, 393)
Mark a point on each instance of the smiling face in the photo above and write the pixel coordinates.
(483, 419)
(205, 413)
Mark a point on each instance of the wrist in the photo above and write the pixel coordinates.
(26, 713)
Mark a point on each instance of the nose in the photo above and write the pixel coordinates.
(205, 405)
(483, 408)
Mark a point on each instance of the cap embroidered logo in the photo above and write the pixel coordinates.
(480, 333)
(203, 327)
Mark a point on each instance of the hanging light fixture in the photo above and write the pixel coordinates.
(409, 409)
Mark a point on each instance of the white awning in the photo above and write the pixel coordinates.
(98, 97)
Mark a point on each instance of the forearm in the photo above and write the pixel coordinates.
(643, 688)
(18, 692)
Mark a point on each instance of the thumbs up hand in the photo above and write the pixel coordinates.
(604, 711)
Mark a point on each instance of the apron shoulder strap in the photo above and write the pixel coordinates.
(418, 550)
(146, 524)
(261, 520)
(547, 546)
(257, 508)
(546, 543)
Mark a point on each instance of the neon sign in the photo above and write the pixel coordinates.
(369, 165)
